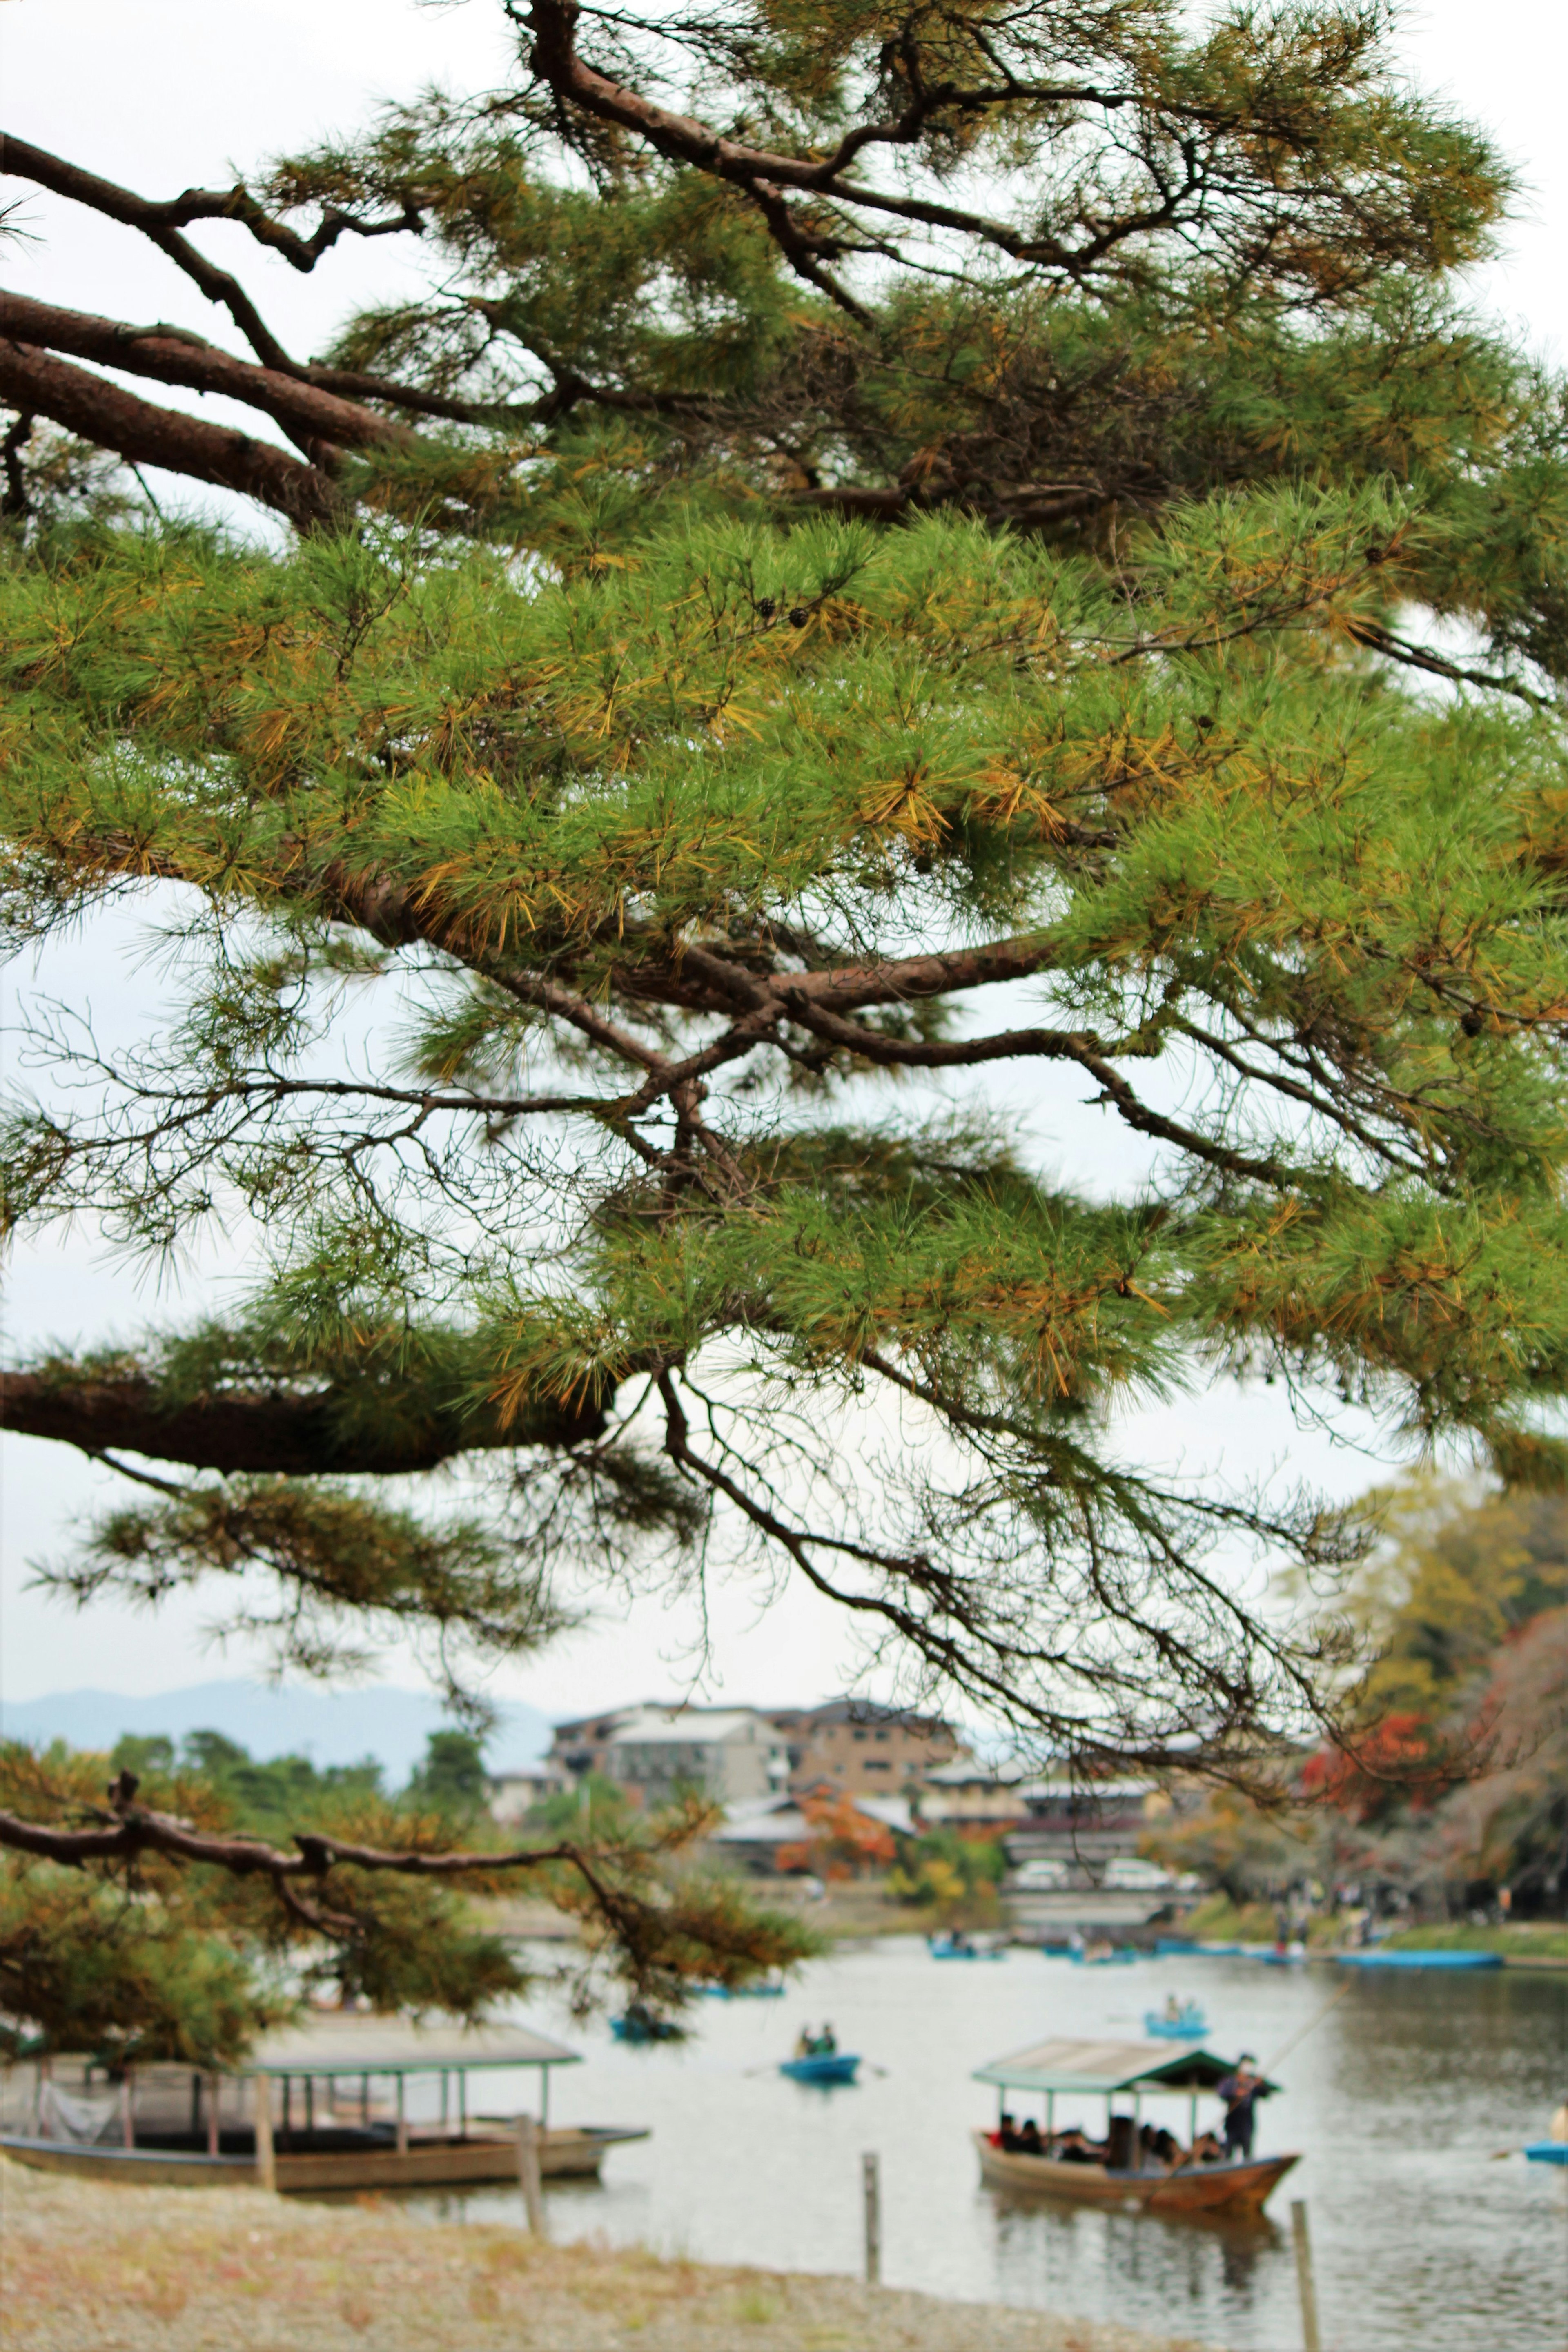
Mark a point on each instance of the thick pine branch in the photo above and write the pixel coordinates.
(239, 1430)
(37, 384)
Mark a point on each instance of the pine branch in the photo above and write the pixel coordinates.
(142, 435)
(260, 1430)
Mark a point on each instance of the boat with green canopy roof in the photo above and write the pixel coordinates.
(1134, 2167)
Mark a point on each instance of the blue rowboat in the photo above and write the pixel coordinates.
(824, 2071)
(1420, 1959)
(959, 1948)
(1191, 2026)
(638, 2026)
(1547, 2151)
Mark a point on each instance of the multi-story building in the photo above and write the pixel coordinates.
(861, 1747)
(1084, 1821)
(729, 1753)
(969, 1797)
(583, 1745)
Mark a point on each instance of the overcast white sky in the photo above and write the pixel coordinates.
(160, 94)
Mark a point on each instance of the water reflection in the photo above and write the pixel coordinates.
(1398, 2100)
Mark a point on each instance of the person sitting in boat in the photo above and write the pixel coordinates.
(1074, 2147)
(1157, 2146)
(1175, 2013)
(806, 2042)
(825, 2043)
(1241, 2092)
(1006, 2133)
(1029, 2140)
(1207, 2149)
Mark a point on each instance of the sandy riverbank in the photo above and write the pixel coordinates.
(89, 2267)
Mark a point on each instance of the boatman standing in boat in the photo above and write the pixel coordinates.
(1240, 2093)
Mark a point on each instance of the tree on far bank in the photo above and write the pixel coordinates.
(907, 572)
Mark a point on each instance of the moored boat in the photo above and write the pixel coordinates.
(960, 1946)
(1419, 1959)
(1547, 2151)
(1131, 2167)
(301, 2119)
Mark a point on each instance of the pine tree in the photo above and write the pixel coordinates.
(902, 544)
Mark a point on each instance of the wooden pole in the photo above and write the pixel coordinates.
(1310, 2339)
(873, 2189)
(528, 2173)
(266, 2161)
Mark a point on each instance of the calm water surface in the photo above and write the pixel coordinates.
(1398, 2101)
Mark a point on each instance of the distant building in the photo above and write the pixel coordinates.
(967, 1796)
(582, 1746)
(1083, 1820)
(513, 1795)
(771, 1833)
(728, 1753)
(855, 1745)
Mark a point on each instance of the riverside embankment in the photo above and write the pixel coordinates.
(86, 2267)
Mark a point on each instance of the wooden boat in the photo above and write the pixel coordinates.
(825, 2069)
(961, 1948)
(301, 2118)
(1231, 2188)
(1190, 2026)
(1125, 2177)
(311, 2162)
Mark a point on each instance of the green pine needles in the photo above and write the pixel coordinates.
(891, 586)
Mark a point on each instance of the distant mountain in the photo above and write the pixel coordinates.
(329, 1726)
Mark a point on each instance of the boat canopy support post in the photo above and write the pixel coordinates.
(545, 2098)
(1050, 2114)
(127, 2120)
(365, 2102)
(266, 2162)
(401, 2115)
(463, 2101)
(214, 2091)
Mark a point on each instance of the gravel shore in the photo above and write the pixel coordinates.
(88, 2266)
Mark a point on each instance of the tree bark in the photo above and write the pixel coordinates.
(317, 419)
(102, 413)
(261, 1432)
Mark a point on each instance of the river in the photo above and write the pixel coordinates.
(1397, 2099)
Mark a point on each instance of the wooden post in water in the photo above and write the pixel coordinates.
(873, 2195)
(266, 2162)
(1310, 2339)
(528, 2173)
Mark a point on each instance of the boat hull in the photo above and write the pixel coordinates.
(1420, 1959)
(1547, 2151)
(433, 2162)
(1227, 2189)
(1166, 2029)
(823, 2071)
